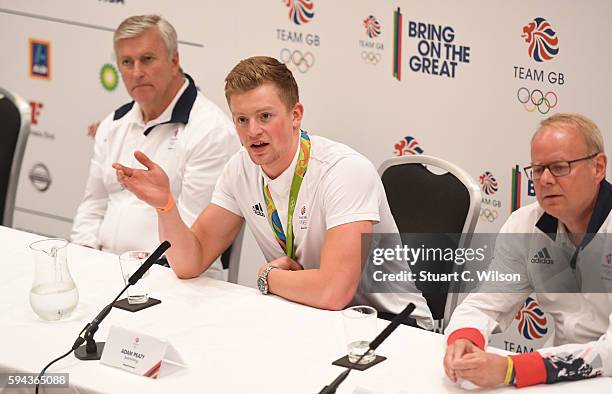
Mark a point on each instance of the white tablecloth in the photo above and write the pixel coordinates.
(233, 339)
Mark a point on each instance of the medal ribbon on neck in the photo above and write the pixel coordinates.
(286, 242)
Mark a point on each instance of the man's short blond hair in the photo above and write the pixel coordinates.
(137, 25)
(255, 71)
(591, 134)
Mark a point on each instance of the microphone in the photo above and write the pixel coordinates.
(392, 326)
(149, 262)
(93, 350)
(333, 386)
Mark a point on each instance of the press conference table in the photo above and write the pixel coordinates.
(232, 339)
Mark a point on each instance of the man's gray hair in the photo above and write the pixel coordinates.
(137, 25)
(591, 134)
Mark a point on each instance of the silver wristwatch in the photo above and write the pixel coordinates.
(262, 280)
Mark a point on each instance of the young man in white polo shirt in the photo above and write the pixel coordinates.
(306, 199)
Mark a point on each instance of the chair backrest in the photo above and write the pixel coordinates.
(445, 201)
(14, 130)
(230, 259)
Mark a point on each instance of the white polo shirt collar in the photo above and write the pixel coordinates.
(177, 111)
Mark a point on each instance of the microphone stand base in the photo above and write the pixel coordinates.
(125, 305)
(81, 352)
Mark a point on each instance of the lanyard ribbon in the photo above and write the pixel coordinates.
(286, 242)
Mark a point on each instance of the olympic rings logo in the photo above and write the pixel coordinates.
(370, 57)
(489, 215)
(301, 61)
(536, 99)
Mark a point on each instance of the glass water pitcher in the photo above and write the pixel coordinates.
(53, 295)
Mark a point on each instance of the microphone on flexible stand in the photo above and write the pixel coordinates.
(93, 350)
(333, 386)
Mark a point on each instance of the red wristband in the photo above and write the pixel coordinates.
(472, 334)
(529, 368)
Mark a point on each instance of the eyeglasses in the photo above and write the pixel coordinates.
(558, 168)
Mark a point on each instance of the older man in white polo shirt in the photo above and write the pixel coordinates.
(170, 121)
(570, 222)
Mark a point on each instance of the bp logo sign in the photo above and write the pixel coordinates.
(109, 77)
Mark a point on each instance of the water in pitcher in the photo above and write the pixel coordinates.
(54, 301)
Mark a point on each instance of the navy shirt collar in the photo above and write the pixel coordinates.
(603, 205)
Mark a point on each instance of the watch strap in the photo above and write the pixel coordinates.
(264, 278)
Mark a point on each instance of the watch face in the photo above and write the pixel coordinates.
(261, 284)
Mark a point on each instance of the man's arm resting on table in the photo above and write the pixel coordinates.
(565, 362)
(472, 322)
(561, 363)
(333, 285)
(195, 249)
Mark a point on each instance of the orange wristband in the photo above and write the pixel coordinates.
(168, 206)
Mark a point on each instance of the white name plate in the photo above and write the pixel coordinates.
(140, 354)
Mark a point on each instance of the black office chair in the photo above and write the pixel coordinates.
(14, 130)
(445, 201)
